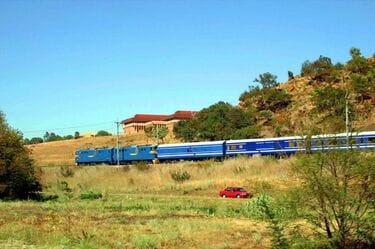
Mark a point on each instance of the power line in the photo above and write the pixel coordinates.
(66, 128)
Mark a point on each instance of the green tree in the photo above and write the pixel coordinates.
(267, 80)
(185, 130)
(102, 133)
(76, 135)
(18, 178)
(149, 132)
(51, 137)
(321, 70)
(337, 196)
(330, 103)
(36, 140)
(160, 132)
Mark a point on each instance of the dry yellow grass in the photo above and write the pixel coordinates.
(62, 152)
(207, 177)
(146, 208)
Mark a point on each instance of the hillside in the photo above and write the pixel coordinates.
(314, 102)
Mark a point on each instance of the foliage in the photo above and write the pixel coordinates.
(321, 70)
(50, 137)
(274, 100)
(246, 132)
(185, 130)
(358, 63)
(90, 196)
(18, 178)
(141, 166)
(266, 99)
(337, 195)
(217, 122)
(330, 100)
(267, 80)
(160, 132)
(34, 140)
(102, 133)
(264, 207)
(180, 176)
(66, 171)
(156, 132)
(362, 75)
(76, 135)
(290, 75)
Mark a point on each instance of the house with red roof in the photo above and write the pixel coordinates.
(138, 123)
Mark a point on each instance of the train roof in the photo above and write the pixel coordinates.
(192, 144)
(365, 133)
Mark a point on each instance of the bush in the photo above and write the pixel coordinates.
(18, 178)
(90, 196)
(180, 176)
(141, 166)
(66, 171)
(102, 133)
(321, 70)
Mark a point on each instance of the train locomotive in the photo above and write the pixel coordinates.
(225, 148)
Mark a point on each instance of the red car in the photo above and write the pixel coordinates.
(235, 192)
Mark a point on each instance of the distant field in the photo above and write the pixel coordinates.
(62, 152)
(144, 207)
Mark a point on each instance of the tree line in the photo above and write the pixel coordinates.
(51, 137)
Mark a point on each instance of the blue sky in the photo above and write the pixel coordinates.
(80, 65)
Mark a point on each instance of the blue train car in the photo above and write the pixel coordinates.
(361, 140)
(199, 150)
(135, 153)
(94, 156)
(263, 146)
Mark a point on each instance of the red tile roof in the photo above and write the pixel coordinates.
(181, 115)
(144, 118)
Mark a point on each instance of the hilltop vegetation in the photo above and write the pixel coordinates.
(315, 102)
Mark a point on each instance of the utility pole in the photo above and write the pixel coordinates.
(347, 119)
(118, 143)
(157, 133)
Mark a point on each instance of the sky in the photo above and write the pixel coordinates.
(69, 66)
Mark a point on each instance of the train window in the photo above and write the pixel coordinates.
(371, 140)
(228, 147)
(240, 146)
(233, 147)
(292, 144)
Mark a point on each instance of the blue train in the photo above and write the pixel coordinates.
(225, 148)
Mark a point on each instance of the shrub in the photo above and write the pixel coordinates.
(18, 178)
(267, 80)
(321, 70)
(66, 171)
(141, 166)
(102, 133)
(180, 176)
(90, 196)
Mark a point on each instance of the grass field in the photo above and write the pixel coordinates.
(143, 207)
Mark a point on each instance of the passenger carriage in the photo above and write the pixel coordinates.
(191, 151)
